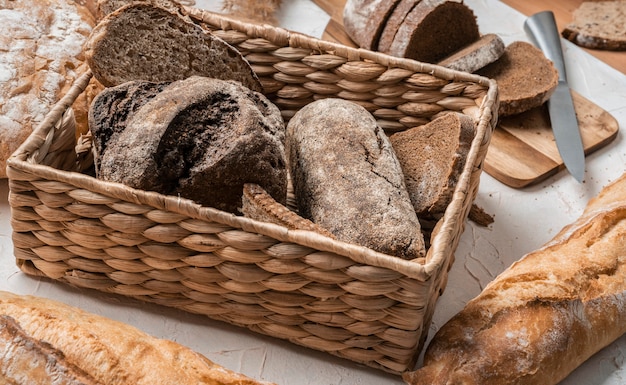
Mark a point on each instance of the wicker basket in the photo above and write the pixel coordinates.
(317, 292)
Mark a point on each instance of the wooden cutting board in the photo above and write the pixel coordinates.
(522, 151)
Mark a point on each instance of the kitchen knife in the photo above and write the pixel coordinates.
(543, 30)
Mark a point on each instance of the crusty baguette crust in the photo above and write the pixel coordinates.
(112, 352)
(547, 313)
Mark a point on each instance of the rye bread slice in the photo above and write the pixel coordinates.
(394, 22)
(526, 78)
(432, 157)
(202, 139)
(598, 25)
(363, 20)
(145, 42)
(475, 56)
(433, 30)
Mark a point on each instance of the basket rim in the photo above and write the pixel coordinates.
(441, 241)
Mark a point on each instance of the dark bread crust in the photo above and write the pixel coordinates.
(364, 20)
(201, 138)
(111, 109)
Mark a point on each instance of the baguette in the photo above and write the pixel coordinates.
(547, 313)
(48, 342)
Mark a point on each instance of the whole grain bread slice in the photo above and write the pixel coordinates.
(434, 29)
(526, 78)
(432, 157)
(146, 42)
(598, 25)
(475, 56)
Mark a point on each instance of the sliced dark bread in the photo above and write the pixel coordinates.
(525, 77)
(434, 29)
(396, 18)
(363, 20)
(432, 157)
(598, 25)
(475, 56)
(146, 42)
(201, 138)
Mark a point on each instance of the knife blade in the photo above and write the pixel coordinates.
(543, 30)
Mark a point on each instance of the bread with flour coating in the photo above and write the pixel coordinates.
(49, 342)
(41, 57)
(547, 313)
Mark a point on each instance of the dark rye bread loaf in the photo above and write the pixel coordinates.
(347, 179)
(201, 138)
(363, 20)
(525, 77)
(111, 109)
(434, 29)
(598, 25)
(146, 42)
(432, 157)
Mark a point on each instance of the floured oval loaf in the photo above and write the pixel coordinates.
(201, 138)
(146, 42)
(347, 179)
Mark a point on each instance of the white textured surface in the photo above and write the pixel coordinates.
(524, 220)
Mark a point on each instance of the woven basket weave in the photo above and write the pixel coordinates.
(344, 299)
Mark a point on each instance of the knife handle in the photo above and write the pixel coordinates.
(543, 30)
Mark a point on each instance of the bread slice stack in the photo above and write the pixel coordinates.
(446, 33)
